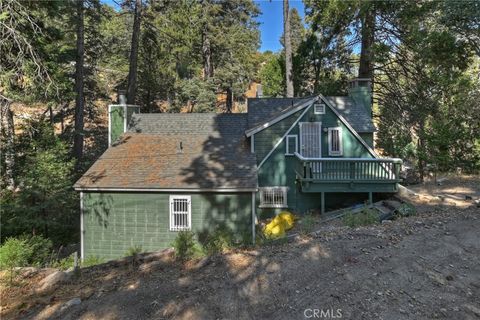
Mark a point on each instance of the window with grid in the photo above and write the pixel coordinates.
(273, 197)
(319, 108)
(180, 213)
(335, 147)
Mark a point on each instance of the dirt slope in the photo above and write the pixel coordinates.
(420, 267)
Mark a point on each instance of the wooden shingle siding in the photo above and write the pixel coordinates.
(114, 222)
(266, 139)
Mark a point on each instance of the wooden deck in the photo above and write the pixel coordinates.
(348, 174)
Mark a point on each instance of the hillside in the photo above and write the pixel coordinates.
(425, 266)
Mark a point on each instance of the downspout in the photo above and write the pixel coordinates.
(82, 230)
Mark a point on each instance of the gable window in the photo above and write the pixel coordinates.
(291, 145)
(319, 108)
(273, 197)
(335, 147)
(180, 213)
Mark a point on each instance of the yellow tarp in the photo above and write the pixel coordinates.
(277, 227)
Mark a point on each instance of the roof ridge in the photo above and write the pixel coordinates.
(193, 113)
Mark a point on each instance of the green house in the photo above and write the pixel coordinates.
(165, 172)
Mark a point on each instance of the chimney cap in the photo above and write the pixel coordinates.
(121, 97)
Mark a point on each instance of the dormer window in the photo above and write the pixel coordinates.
(319, 108)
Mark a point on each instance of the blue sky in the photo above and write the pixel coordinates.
(271, 21)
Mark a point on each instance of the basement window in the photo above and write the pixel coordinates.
(180, 213)
(273, 197)
(335, 147)
(319, 108)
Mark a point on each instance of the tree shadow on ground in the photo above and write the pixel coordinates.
(272, 281)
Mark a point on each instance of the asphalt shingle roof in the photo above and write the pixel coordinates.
(354, 113)
(185, 151)
(261, 110)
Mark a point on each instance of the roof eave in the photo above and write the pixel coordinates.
(195, 190)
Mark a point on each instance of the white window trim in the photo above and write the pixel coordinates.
(317, 104)
(282, 205)
(287, 144)
(340, 142)
(189, 208)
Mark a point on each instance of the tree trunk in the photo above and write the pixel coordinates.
(132, 70)
(229, 101)
(207, 56)
(288, 49)
(8, 130)
(79, 77)
(365, 69)
(421, 150)
(149, 101)
(50, 113)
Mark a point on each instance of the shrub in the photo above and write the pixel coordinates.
(68, 262)
(65, 263)
(365, 217)
(308, 221)
(246, 239)
(41, 250)
(134, 251)
(406, 210)
(14, 253)
(92, 261)
(185, 245)
(220, 240)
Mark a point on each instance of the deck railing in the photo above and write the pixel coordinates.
(348, 169)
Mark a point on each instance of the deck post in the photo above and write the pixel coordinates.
(370, 198)
(254, 218)
(322, 208)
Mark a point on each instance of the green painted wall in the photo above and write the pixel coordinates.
(279, 169)
(266, 139)
(114, 222)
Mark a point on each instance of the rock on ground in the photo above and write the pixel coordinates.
(52, 280)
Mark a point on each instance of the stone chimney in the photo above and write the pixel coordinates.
(360, 90)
